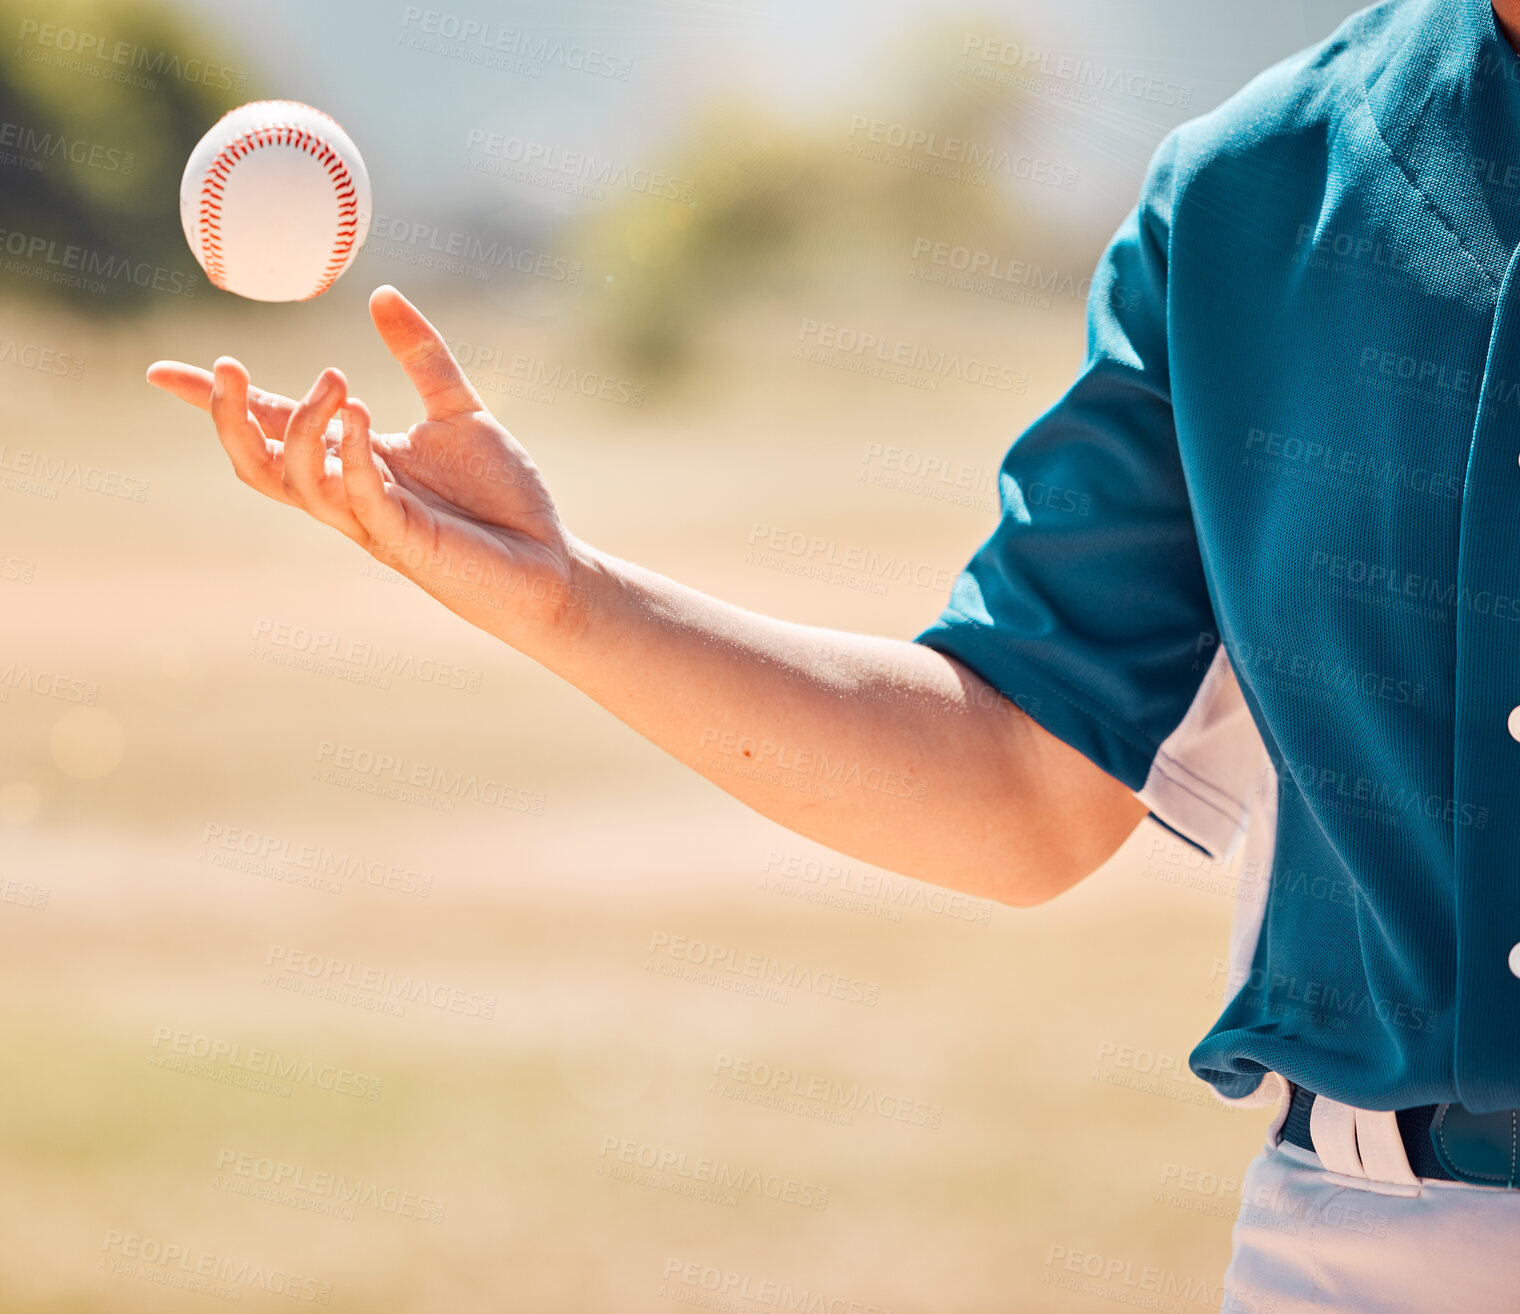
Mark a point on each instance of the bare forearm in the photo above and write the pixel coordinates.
(881, 748)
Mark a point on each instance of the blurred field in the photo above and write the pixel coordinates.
(1047, 1143)
(995, 1114)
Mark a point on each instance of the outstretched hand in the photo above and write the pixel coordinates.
(455, 503)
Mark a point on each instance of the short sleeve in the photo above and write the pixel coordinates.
(1087, 606)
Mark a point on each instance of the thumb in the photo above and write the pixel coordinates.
(423, 354)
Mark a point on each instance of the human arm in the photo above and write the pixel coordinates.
(882, 748)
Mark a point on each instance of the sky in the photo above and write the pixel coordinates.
(412, 109)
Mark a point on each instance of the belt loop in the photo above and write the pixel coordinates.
(1381, 1148)
(1332, 1128)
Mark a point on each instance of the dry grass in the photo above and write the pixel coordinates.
(996, 1025)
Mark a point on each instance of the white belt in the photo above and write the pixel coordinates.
(1361, 1147)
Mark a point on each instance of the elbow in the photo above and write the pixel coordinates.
(1025, 884)
(1033, 893)
(1027, 898)
(1042, 872)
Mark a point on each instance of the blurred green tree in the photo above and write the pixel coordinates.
(100, 105)
(780, 204)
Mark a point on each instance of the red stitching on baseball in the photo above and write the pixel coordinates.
(278, 134)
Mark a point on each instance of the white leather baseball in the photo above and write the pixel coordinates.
(275, 201)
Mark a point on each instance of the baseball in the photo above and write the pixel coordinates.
(275, 201)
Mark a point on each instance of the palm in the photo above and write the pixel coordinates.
(477, 494)
(455, 503)
(468, 465)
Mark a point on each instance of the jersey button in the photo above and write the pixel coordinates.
(1514, 960)
(1514, 722)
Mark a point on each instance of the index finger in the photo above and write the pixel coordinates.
(192, 384)
(423, 354)
(257, 460)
